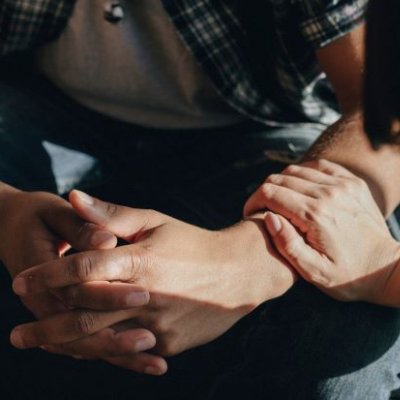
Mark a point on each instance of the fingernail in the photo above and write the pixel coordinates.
(274, 225)
(151, 370)
(85, 198)
(101, 237)
(16, 339)
(19, 286)
(144, 344)
(137, 298)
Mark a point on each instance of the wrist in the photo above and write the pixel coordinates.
(265, 275)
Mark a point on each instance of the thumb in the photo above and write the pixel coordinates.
(290, 244)
(125, 222)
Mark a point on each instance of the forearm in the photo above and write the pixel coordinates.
(347, 144)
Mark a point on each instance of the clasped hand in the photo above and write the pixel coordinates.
(200, 282)
(175, 286)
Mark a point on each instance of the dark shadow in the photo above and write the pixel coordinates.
(285, 348)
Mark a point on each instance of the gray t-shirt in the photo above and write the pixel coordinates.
(137, 70)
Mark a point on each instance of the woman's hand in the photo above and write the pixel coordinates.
(326, 224)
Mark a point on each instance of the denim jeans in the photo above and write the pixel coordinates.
(303, 345)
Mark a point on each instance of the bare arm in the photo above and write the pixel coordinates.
(346, 142)
(341, 244)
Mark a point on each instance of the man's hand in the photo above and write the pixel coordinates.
(40, 227)
(200, 282)
(342, 243)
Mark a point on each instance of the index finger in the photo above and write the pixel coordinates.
(61, 218)
(121, 264)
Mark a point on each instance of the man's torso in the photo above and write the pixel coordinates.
(135, 69)
(218, 36)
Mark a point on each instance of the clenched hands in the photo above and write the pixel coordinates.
(201, 282)
(39, 227)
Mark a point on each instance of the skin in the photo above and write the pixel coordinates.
(200, 282)
(369, 177)
(54, 228)
(345, 142)
(330, 229)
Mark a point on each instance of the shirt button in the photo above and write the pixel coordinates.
(114, 11)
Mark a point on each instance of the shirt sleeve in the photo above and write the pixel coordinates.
(324, 21)
(28, 23)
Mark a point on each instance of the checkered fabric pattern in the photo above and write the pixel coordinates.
(28, 23)
(215, 32)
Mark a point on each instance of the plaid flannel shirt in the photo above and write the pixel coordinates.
(217, 36)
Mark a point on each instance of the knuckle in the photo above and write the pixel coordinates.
(310, 216)
(291, 169)
(83, 322)
(160, 327)
(348, 185)
(139, 263)
(273, 178)
(267, 190)
(156, 327)
(322, 163)
(149, 215)
(314, 212)
(291, 249)
(111, 209)
(330, 192)
(81, 269)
